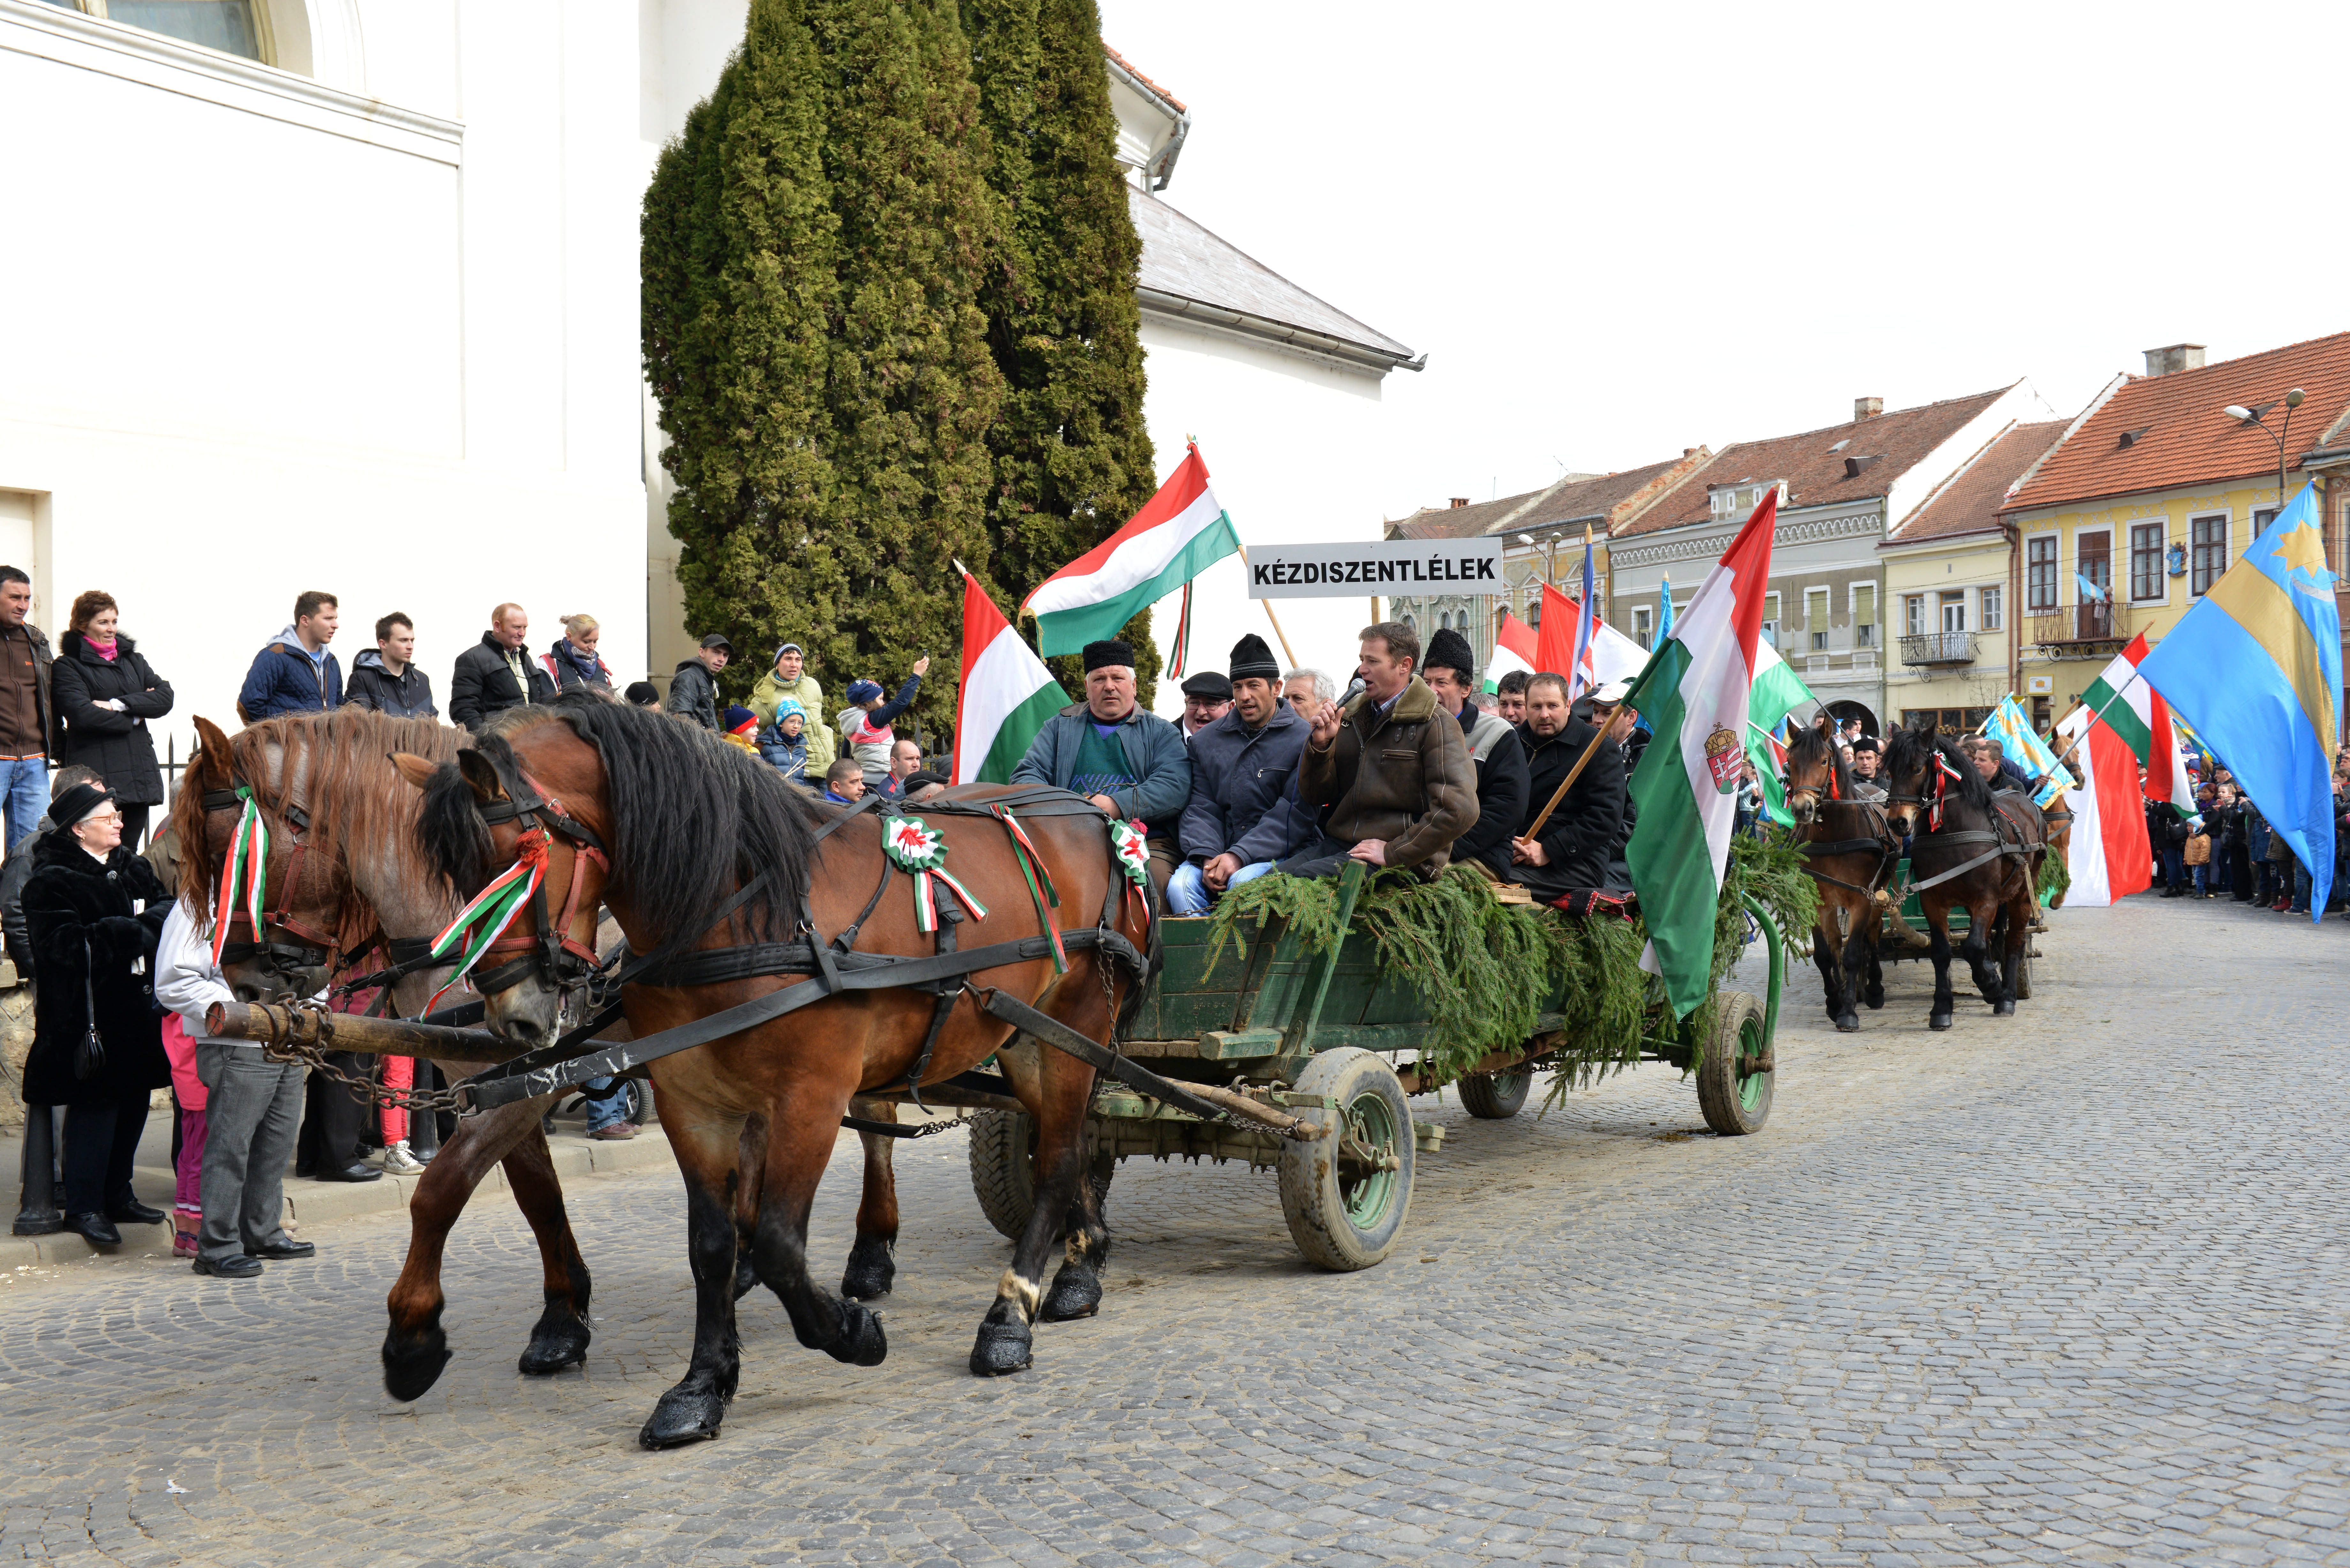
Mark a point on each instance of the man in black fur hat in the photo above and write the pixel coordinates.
(1123, 757)
(1241, 768)
(1450, 669)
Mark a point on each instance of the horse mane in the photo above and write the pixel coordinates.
(692, 818)
(1905, 752)
(337, 767)
(1808, 744)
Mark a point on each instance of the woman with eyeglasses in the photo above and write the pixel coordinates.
(94, 910)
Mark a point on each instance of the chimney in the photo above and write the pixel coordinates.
(1458, 501)
(2178, 357)
(1688, 451)
(1867, 409)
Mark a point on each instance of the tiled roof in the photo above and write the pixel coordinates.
(1603, 500)
(1969, 500)
(1458, 522)
(1168, 98)
(1841, 462)
(2180, 436)
(1187, 272)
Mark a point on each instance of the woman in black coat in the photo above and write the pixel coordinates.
(95, 910)
(105, 693)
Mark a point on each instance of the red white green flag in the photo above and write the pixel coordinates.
(1694, 694)
(2106, 854)
(1514, 649)
(1006, 695)
(2141, 718)
(1180, 533)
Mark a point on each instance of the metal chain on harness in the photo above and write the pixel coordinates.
(367, 1089)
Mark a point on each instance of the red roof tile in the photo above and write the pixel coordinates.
(1606, 501)
(2180, 436)
(1970, 500)
(1840, 463)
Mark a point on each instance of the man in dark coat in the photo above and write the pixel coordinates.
(1500, 757)
(94, 910)
(1605, 708)
(1118, 754)
(1571, 852)
(387, 678)
(1390, 764)
(496, 673)
(1242, 763)
(26, 736)
(295, 672)
(694, 689)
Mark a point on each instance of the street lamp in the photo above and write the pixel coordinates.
(1550, 554)
(2253, 417)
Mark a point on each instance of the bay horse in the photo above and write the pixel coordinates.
(1848, 850)
(1970, 849)
(711, 854)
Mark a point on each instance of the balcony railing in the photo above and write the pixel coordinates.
(2081, 623)
(1939, 647)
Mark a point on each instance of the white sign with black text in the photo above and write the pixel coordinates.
(1387, 566)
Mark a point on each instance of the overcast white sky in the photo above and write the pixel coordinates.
(1619, 230)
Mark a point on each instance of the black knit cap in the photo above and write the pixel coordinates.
(1209, 684)
(69, 805)
(1110, 651)
(1448, 649)
(1253, 660)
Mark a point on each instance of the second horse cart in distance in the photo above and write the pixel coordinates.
(1334, 1037)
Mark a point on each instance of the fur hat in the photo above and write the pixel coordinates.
(1108, 651)
(78, 800)
(1251, 659)
(1448, 649)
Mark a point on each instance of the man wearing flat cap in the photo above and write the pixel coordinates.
(1241, 764)
(1865, 758)
(1110, 749)
(1207, 697)
(1494, 750)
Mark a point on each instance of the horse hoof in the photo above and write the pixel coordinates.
(412, 1361)
(1076, 1293)
(861, 1341)
(2002, 1009)
(746, 1277)
(1847, 1023)
(683, 1415)
(1939, 1020)
(554, 1347)
(1002, 1348)
(1876, 997)
(870, 1270)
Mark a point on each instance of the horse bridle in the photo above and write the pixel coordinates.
(553, 953)
(307, 947)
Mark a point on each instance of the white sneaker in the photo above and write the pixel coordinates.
(398, 1161)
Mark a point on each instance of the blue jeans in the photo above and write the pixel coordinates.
(1187, 892)
(1250, 873)
(2302, 888)
(2203, 879)
(24, 795)
(607, 1102)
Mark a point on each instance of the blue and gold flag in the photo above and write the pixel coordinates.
(2256, 667)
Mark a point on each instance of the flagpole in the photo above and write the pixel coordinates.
(1567, 783)
(2100, 713)
(1268, 611)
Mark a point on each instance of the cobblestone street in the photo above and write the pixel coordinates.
(2065, 1286)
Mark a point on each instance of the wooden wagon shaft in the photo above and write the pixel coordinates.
(303, 1026)
(1491, 1062)
(1590, 750)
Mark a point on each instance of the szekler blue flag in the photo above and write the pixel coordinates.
(2255, 666)
(2013, 729)
(2089, 590)
(1664, 612)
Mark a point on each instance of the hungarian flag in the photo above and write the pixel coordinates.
(2140, 716)
(1513, 649)
(1777, 691)
(1694, 693)
(1006, 697)
(1180, 533)
(2107, 855)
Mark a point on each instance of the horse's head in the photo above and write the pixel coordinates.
(517, 849)
(1923, 773)
(242, 831)
(1816, 771)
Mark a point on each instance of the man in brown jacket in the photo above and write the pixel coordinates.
(1392, 764)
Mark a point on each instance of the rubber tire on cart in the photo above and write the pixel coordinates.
(1495, 1096)
(1341, 1223)
(1733, 1101)
(1003, 1170)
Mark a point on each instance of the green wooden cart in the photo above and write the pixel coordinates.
(1912, 913)
(1332, 1038)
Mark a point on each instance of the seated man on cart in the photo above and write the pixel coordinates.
(1449, 670)
(1571, 852)
(1118, 754)
(1241, 764)
(1391, 764)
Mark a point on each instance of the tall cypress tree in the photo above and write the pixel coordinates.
(1072, 456)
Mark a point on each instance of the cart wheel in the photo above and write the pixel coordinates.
(1003, 1170)
(1346, 1197)
(1495, 1096)
(639, 1100)
(1733, 1097)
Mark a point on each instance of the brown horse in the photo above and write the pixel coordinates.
(1848, 850)
(1978, 851)
(344, 881)
(688, 824)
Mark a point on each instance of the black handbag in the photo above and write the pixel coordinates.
(90, 1056)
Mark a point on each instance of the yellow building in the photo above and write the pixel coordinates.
(1947, 589)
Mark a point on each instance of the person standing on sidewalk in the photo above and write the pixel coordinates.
(105, 693)
(385, 678)
(694, 688)
(496, 673)
(573, 662)
(295, 672)
(24, 710)
(789, 681)
(252, 1105)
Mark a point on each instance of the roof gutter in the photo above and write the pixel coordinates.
(1161, 168)
(1158, 302)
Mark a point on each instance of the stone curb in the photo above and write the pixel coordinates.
(312, 1204)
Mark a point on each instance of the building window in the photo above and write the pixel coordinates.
(1913, 614)
(1644, 631)
(2209, 552)
(1954, 609)
(2039, 574)
(1410, 625)
(2262, 517)
(1994, 608)
(1771, 619)
(1863, 614)
(232, 26)
(2145, 561)
(1444, 620)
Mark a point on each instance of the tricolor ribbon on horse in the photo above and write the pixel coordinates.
(246, 873)
(1130, 847)
(915, 847)
(1040, 883)
(492, 911)
(1943, 773)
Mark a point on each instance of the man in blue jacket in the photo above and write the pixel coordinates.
(1126, 760)
(1241, 768)
(293, 674)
